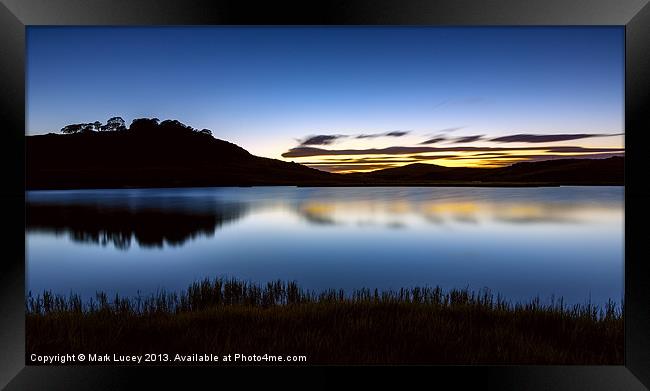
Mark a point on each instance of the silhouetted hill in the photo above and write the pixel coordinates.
(171, 154)
(608, 170)
(425, 172)
(132, 159)
(562, 171)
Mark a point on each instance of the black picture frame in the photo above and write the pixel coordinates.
(15, 15)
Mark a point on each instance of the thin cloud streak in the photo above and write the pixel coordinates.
(395, 133)
(547, 138)
(468, 139)
(539, 157)
(407, 159)
(433, 140)
(312, 151)
(321, 139)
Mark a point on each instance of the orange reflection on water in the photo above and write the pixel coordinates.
(413, 211)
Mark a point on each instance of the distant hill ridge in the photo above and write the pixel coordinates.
(560, 171)
(170, 154)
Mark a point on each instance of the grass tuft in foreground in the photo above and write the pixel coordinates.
(417, 325)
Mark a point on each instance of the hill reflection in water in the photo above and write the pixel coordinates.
(154, 218)
(148, 222)
(563, 241)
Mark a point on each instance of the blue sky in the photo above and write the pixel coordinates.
(268, 89)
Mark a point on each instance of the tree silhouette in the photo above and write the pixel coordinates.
(115, 124)
(138, 125)
(73, 128)
(81, 128)
(174, 126)
(94, 126)
(144, 125)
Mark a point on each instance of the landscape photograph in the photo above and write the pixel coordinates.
(291, 195)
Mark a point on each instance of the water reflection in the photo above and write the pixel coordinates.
(150, 223)
(520, 242)
(154, 219)
(398, 213)
(317, 213)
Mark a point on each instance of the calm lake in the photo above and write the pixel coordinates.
(519, 242)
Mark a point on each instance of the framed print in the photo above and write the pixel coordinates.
(453, 187)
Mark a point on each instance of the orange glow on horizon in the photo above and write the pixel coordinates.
(478, 162)
(363, 155)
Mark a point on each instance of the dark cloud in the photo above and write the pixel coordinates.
(395, 133)
(546, 138)
(321, 139)
(433, 140)
(427, 157)
(311, 151)
(483, 154)
(468, 139)
(365, 160)
(438, 138)
(587, 156)
(541, 157)
(578, 149)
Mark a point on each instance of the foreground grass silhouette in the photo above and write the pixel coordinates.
(418, 325)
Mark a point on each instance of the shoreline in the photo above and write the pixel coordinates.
(461, 184)
(416, 325)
